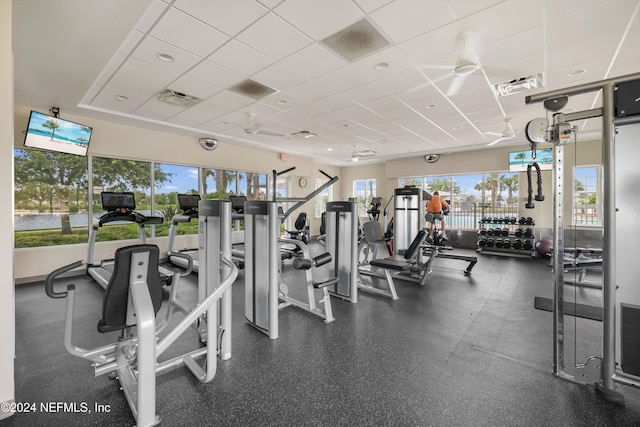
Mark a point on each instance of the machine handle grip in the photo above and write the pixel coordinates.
(325, 174)
(48, 284)
(306, 264)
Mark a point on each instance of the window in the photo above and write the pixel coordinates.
(363, 191)
(50, 196)
(124, 175)
(218, 183)
(587, 195)
(472, 196)
(171, 180)
(323, 197)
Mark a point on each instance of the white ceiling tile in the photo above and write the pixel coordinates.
(333, 102)
(145, 71)
(370, 5)
(130, 42)
(158, 110)
(230, 17)
(404, 19)
(151, 15)
(278, 76)
(106, 99)
(274, 37)
(240, 58)
(202, 112)
(319, 19)
(192, 35)
(341, 79)
(463, 8)
(308, 91)
(392, 56)
(363, 94)
(126, 85)
(115, 62)
(312, 61)
(150, 47)
(214, 74)
(230, 100)
(193, 87)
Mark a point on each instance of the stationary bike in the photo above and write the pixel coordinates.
(436, 239)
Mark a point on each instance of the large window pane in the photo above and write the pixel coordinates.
(174, 180)
(50, 198)
(123, 176)
(218, 183)
(587, 196)
(363, 191)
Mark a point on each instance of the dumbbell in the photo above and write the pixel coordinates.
(528, 233)
(506, 243)
(513, 220)
(505, 232)
(483, 231)
(519, 232)
(522, 220)
(529, 221)
(482, 242)
(527, 245)
(517, 244)
(498, 243)
(490, 243)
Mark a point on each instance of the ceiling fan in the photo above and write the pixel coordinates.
(466, 65)
(252, 128)
(361, 154)
(507, 132)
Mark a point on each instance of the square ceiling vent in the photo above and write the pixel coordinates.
(177, 98)
(356, 41)
(252, 89)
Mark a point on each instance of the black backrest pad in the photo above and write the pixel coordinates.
(116, 296)
(301, 221)
(412, 251)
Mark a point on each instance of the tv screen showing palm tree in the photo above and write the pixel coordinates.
(518, 160)
(55, 134)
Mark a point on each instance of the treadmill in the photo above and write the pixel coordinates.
(189, 206)
(120, 207)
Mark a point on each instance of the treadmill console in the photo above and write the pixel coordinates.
(189, 204)
(119, 203)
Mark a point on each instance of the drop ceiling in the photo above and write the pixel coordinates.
(274, 66)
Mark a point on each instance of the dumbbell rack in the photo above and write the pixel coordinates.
(507, 236)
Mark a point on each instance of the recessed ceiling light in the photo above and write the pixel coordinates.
(576, 72)
(430, 106)
(165, 57)
(329, 149)
(121, 98)
(382, 66)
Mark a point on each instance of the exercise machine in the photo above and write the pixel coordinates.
(265, 293)
(131, 303)
(619, 363)
(436, 244)
(188, 203)
(341, 241)
(408, 216)
(120, 207)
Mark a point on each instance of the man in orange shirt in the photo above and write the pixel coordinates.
(436, 206)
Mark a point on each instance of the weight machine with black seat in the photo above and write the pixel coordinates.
(265, 292)
(132, 300)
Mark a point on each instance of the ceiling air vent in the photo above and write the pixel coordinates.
(355, 41)
(252, 89)
(521, 84)
(304, 134)
(177, 98)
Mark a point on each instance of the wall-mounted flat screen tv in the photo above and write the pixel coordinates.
(518, 160)
(54, 134)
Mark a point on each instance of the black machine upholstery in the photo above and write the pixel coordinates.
(116, 296)
(301, 221)
(405, 262)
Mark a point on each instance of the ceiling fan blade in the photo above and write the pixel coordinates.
(456, 85)
(430, 82)
(495, 142)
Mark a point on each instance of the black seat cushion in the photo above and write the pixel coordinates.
(116, 296)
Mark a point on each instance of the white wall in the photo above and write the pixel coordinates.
(7, 287)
